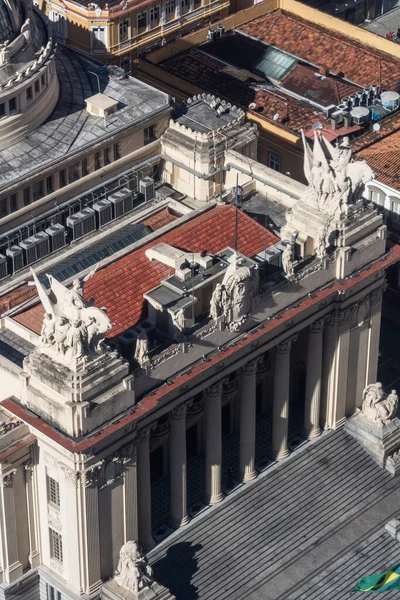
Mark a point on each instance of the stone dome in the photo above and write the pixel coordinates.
(11, 19)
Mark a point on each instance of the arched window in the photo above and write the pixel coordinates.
(377, 196)
(395, 209)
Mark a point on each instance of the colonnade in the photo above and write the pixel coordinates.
(326, 369)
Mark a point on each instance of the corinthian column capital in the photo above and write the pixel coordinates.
(317, 326)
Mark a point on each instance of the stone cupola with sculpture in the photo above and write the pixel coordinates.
(29, 86)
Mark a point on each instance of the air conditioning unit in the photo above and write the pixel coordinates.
(146, 187)
(104, 212)
(57, 235)
(3, 266)
(82, 223)
(30, 249)
(43, 243)
(15, 256)
(122, 201)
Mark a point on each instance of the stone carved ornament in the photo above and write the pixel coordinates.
(142, 349)
(377, 406)
(334, 179)
(233, 298)
(72, 330)
(133, 572)
(287, 260)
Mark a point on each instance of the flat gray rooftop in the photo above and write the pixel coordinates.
(13, 347)
(306, 529)
(199, 116)
(382, 24)
(70, 128)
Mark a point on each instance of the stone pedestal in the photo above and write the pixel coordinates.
(380, 442)
(113, 591)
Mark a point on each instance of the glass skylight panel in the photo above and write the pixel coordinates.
(274, 64)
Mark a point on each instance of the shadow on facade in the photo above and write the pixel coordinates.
(177, 568)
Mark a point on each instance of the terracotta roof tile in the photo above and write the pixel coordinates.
(120, 286)
(320, 46)
(160, 219)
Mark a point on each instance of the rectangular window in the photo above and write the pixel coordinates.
(274, 161)
(53, 491)
(56, 549)
(97, 163)
(378, 197)
(2, 109)
(154, 16)
(73, 173)
(63, 178)
(99, 39)
(49, 184)
(3, 207)
(142, 20)
(37, 86)
(37, 189)
(396, 212)
(27, 196)
(185, 5)
(149, 135)
(29, 93)
(12, 105)
(197, 3)
(43, 80)
(52, 594)
(170, 9)
(106, 153)
(117, 152)
(13, 202)
(85, 170)
(123, 31)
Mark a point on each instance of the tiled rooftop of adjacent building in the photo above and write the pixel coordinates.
(320, 46)
(70, 128)
(381, 149)
(120, 286)
(307, 528)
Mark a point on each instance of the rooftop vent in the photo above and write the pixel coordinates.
(101, 105)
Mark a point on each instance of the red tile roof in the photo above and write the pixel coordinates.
(150, 402)
(120, 286)
(381, 149)
(213, 75)
(160, 219)
(322, 47)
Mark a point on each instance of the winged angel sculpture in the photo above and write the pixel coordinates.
(334, 180)
(72, 330)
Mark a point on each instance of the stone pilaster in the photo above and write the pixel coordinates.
(33, 525)
(144, 490)
(178, 466)
(12, 566)
(213, 437)
(313, 380)
(90, 480)
(280, 415)
(248, 421)
(374, 335)
(130, 493)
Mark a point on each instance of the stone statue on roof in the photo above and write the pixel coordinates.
(72, 330)
(233, 298)
(334, 179)
(142, 349)
(133, 571)
(379, 407)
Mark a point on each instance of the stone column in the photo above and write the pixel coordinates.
(178, 466)
(90, 506)
(335, 367)
(213, 437)
(34, 553)
(12, 566)
(130, 493)
(280, 412)
(247, 401)
(313, 380)
(374, 335)
(144, 490)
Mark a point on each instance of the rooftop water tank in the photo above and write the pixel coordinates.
(390, 100)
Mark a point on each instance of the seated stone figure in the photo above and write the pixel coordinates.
(133, 573)
(377, 406)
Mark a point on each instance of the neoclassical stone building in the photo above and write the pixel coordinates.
(136, 396)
